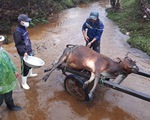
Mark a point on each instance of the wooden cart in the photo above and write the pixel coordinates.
(75, 79)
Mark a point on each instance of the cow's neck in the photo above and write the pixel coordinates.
(113, 72)
(121, 68)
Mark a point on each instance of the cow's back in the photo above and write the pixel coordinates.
(82, 56)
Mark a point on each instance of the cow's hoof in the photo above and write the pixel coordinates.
(90, 96)
(85, 85)
(45, 78)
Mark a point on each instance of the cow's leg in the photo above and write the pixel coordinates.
(90, 80)
(94, 87)
(60, 61)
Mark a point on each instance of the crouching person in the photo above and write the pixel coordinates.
(8, 74)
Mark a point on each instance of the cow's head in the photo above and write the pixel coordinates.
(129, 66)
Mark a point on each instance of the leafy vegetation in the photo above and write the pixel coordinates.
(129, 18)
(38, 10)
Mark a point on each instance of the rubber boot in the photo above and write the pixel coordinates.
(24, 83)
(30, 74)
(11, 106)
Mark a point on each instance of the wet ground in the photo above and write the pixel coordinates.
(49, 101)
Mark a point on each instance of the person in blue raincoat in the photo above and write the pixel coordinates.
(8, 74)
(24, 47)
(92, 30)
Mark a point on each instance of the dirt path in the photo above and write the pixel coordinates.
(49, 101)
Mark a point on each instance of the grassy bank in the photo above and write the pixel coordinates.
(130, 21)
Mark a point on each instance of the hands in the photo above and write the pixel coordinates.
(17, 74)
(25, 54)
(89, 44)
(86, 38)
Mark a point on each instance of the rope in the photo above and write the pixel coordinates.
(72, 48)
(101, 80)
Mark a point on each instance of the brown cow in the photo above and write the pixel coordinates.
(82, 57)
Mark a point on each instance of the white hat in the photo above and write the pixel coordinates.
(2, 38)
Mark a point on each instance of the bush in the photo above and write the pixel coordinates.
(129, 19)
(38, 10)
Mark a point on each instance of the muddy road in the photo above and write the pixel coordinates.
(49, 101)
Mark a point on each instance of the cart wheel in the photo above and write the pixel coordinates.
(74, 85)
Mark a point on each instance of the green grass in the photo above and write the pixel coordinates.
(129, 19)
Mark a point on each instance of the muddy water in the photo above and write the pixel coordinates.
(49, 101)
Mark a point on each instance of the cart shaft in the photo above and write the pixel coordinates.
(127, 90)
(143, 74)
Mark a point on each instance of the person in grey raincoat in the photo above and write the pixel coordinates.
(92, 30)
(8, 74)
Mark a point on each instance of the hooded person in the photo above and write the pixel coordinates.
(92, 30)
(24, 47)
(8, 81)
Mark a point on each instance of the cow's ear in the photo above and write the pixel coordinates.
(118, 60)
